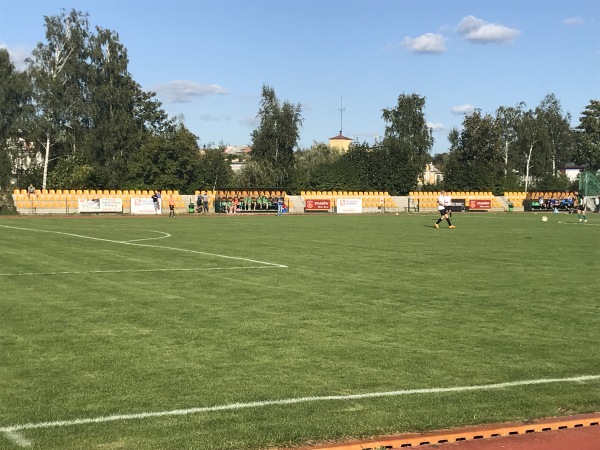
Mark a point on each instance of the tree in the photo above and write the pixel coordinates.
(588, 137)
(528, 138)
(56, 71)
(275, 139)
(14, 98)
(407, 142)
(309, 166)
(475, 160)
(555, 145)
(167, 161)
(122, 116)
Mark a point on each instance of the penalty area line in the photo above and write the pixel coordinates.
(11, 432)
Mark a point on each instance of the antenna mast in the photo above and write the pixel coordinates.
(341, 109)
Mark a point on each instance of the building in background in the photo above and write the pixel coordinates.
(340, 142)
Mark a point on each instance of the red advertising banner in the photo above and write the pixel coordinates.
(317, 205)
(480, 204)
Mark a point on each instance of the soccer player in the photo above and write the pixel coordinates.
(448, 205)
(581, 208)
(442, 210)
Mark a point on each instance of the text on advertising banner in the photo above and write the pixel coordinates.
(480, 204)
(142, 206)
(100, 205)
(349, 205)
(317, 205)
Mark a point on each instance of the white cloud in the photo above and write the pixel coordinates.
(251, 122)
(209, 118)
(436, 126)
(184, 91)
(574, 21)
(477, 30)
(17, 55)
(462, 109)
(427, 43)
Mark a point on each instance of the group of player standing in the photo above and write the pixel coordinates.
(261, 202)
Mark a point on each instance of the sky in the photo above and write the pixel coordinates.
(343, 61)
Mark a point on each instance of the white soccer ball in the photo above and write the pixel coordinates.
(544, 218)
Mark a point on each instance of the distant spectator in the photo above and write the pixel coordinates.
(279, 206)
(205, 202)
(171, 206)
(30, 190)
(155, 201)
(597, 204)
(159, 202)
(199, 203)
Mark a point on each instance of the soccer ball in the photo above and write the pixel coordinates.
(544, 218)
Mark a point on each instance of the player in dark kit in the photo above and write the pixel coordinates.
(581, 208)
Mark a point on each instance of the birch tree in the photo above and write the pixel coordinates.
(56, 77)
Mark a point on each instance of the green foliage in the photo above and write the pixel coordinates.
(215, 169)
(475, 159)
(14, 98)
(553, 183)
(275, 139)
(71, 173)
(588, 136)
(167, 161)
(406, 144)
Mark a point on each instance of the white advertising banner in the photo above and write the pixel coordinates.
(100, 205)
(349, 205)
(142, 206)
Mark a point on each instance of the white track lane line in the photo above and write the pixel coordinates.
(12, 432)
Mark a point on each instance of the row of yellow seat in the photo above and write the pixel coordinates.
(344, 193)
(430, 199)
(61, 199)
(370, 199)
(454, 194)
(95, 192)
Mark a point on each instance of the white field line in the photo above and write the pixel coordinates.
(21, 274)
(186, 250)
(11, 432)
(18, 439)
(166, 235)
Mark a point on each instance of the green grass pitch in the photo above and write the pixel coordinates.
(246, 332)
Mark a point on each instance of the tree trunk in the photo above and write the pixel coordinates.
(527, 167)
(46, 160)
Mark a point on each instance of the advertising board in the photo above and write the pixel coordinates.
(100, 205)
(317, 205)
(479, 204)
(348, 205)
(142, 206)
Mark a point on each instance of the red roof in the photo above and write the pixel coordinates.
(340, 136)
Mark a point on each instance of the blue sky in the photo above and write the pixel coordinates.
(208, 59)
